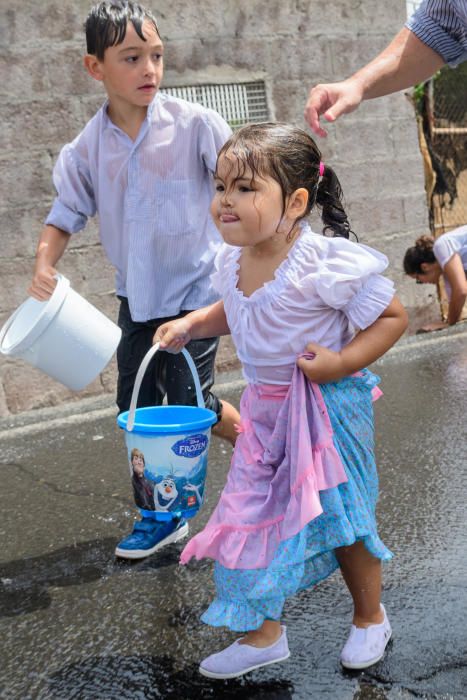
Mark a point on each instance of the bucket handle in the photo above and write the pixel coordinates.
(139, 378)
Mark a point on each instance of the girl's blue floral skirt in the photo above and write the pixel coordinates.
(247, 597)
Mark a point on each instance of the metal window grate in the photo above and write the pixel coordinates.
(237, 103)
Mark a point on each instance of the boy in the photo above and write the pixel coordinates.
(143, 163)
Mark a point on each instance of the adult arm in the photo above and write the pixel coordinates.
(366, 347)
(208, 322)
(51, 246)
(406, 61)
(455, 275)
(446, 250)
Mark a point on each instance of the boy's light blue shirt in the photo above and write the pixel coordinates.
(442, 25)
(152, 196)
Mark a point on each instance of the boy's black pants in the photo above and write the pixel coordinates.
(167, 374)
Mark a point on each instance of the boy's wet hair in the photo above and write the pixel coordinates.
(106, 24)
(291, 157)
(421, 252)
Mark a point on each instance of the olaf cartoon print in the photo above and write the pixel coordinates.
(174, 468)
(166, 493)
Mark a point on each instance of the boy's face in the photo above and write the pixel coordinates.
(131, 71)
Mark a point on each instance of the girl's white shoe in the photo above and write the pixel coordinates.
(238, 659)
(366, 645)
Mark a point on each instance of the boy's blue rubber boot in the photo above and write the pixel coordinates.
(149, 536)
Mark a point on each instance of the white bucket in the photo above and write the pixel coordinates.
(65, 337)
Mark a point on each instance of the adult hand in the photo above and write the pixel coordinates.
(432, 327)
(331, 100)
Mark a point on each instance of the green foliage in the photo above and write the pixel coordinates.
(418, 96)
(420, 90)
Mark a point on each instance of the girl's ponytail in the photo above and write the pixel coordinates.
(329, 199)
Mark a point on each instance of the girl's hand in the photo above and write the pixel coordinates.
(174, 335)
(326, 365)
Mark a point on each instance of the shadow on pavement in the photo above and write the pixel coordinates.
(24, 582)
(153, 677)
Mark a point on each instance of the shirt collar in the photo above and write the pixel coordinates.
(107, 123)
(152, 107)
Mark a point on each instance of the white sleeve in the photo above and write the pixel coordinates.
(221, 269)
(75, 201)
(350, 280)
(444, 248)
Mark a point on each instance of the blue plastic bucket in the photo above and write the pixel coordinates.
(167, 451)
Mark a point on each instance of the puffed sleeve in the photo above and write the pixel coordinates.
(445, 246)
(349, 279)
(224, 268)
(215, 133)
(74, 202)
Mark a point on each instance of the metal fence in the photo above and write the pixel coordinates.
(447, 121)
(445, 132)
(441, 105)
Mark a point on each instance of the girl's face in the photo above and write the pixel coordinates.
(246, 212)
(430, 273)
(138, 465)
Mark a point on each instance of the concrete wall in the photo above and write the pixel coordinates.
(46, 98)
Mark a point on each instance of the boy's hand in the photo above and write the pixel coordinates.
(173, 336)
(43, 282)
(326, 365)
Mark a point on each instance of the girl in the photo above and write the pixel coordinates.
(429, 259)
(301, 492)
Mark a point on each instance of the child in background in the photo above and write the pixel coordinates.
(144, 164)
(307, 313)
(446, 257)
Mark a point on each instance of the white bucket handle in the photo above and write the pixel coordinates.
(139, 378)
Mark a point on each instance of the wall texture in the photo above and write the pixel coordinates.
(46, 98)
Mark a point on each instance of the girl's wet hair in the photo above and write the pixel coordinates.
(421, 252)
(291, 157)
(106, 24)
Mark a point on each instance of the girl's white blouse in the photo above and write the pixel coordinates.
(447, 245)
(324, 291)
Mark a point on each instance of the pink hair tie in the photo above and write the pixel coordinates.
(321, 168)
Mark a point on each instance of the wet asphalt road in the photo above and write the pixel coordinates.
(75, 623)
